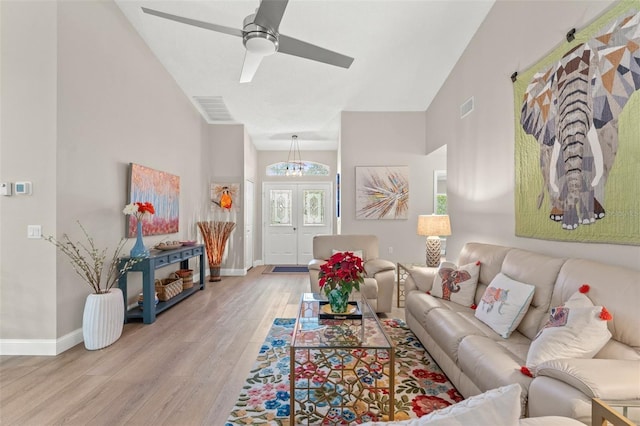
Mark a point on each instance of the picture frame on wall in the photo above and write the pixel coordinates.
(161, 189)
(382, 192)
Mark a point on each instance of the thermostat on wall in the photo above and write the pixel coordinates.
(23, 188)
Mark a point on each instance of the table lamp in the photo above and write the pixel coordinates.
(433, 227)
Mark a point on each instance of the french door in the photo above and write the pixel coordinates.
(293, 213)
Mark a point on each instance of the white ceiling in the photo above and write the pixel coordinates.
(403, 50)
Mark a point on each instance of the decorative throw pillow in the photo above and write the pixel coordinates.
(499, 407)
(457, 284)
(576, 329)
(504, 304)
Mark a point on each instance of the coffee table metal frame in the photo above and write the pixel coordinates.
(342, 370)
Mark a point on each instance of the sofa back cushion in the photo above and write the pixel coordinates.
(614, 287)
(490, 257)
(324, 245)
(540, 271)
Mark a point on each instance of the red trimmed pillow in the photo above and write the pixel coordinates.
(576, 329)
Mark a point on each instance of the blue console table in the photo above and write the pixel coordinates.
(159, 259)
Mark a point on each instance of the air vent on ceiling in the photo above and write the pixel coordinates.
(466, 108)
(213, 109)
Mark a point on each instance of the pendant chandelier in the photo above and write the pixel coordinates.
(294, 160)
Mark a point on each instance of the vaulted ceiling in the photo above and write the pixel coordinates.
(403, 52)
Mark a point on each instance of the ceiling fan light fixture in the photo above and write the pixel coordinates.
(260, 43)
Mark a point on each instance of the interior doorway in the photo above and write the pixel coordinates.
(293, 213)
(248, 225)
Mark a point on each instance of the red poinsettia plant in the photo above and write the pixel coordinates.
(343, 271)
(139, 209)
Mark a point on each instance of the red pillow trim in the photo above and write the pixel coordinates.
(584, 288)
(605, 315)
(524, 370)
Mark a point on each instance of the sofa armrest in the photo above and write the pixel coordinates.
(314, 264)
(597, 378)
(373, 266)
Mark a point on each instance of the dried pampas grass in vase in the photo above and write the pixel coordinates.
(215, 235)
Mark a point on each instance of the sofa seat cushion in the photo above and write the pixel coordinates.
(447, 328)
(419, 303)
(491, 365)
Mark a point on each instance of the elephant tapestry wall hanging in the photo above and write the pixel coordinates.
(578, 136)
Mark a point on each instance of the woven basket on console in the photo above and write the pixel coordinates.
(186, 275)
(168, 288)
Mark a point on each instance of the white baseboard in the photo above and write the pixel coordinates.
(47, 347)
(233, 272)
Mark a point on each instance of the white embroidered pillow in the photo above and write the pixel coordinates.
(576, 329)
(504, 304)
(457, 284)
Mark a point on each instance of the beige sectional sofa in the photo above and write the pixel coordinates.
(477, 359)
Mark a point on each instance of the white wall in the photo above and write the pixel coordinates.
(388, 139)
(28, 126)
(480, 166)
(225, 163)
(82, 97)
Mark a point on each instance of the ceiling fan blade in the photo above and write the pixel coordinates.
(250, 66)
(194, 22)
(295, 47)
(269, 14)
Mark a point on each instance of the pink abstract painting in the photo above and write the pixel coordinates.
(162, 189)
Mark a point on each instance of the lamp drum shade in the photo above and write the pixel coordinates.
(430, 225)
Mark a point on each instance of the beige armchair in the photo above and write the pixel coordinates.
(379, 273)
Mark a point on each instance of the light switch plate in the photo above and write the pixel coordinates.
(34, 231)
(5, 188)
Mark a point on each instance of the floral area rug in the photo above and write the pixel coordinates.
(420, 385)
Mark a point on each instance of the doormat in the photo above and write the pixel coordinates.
(285, 269)
(420, 385)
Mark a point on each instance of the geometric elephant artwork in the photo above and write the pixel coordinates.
(572, 108)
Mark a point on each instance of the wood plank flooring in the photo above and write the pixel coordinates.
(187, 368)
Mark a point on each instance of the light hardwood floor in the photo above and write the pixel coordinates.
(185, 369)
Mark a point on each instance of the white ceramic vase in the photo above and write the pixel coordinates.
(103, 319)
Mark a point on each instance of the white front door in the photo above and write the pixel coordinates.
(293, 214)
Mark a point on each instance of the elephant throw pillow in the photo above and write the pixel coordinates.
(457, 284)
(504, 304)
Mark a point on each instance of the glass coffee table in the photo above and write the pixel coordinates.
(342, 370)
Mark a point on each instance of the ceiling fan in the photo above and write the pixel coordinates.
(261, 38)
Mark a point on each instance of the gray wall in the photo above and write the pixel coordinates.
(480, 146)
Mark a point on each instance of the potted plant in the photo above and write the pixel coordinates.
(103, 316)
(339, 277)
